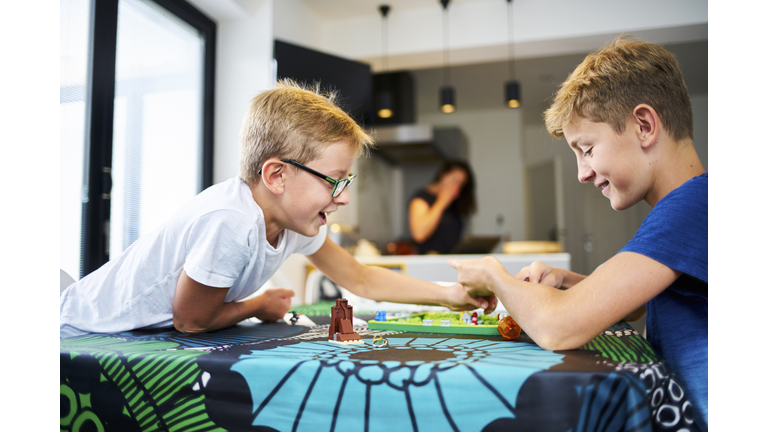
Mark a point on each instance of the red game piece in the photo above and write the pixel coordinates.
(340, 329)
(508, 328)
(474, 318)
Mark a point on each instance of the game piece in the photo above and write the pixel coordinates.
(340, 330)
(474, 318)
(294, 318)
(508, 328)
(381, 316)
(380, 342)
(466, 317)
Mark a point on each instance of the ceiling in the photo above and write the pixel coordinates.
(343, 9)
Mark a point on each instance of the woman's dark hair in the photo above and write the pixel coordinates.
(465, 204)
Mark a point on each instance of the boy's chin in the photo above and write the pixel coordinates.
(621, 205)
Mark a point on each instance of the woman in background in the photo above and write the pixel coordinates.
(437, 213)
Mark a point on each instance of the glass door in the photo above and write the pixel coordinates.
(158, 118)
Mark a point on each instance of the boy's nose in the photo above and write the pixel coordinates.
(586, 174)
(344, 198)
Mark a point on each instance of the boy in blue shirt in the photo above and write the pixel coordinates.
(198, 271)
(626, 114)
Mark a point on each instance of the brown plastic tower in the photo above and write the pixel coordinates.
(341, 324)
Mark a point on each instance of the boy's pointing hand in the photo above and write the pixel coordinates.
(476, 275)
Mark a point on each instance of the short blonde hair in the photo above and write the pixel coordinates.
(608, 85)
(292, 121)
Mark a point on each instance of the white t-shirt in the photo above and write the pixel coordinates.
(218, 238)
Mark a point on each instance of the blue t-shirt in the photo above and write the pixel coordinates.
(675, 234)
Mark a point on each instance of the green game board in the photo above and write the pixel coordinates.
(438, 322)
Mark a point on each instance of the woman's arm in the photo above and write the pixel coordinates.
(201, 308)
(423, 219)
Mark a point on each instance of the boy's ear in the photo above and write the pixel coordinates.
(273, 175)
(647, 124)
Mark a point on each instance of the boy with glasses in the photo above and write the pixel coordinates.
(198, 271)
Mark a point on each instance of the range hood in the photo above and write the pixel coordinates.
(419, 143)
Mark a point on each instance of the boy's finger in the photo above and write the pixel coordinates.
(284, 292)
(479, 302)
(522, 274)
(492, 303)
(455, 263)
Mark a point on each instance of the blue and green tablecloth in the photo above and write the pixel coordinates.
(266, 377)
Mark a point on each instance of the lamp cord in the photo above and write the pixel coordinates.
(384, 38)
(446, 57)
(510, 47)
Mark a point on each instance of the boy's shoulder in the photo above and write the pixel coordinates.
(228, 203)
(694, 190)
(675, 233)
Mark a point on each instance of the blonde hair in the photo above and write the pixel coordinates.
(292, 121)
(608, 85)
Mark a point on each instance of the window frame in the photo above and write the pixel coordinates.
(100, 116)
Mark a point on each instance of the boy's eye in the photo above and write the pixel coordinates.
(588, 152)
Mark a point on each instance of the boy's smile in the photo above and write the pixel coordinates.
(607, 159)
(308, 199)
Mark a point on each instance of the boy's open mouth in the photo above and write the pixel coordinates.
(323, 218)
(604, 186)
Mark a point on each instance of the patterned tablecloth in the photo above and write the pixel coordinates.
(264, 377)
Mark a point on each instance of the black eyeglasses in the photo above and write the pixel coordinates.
(338, 185)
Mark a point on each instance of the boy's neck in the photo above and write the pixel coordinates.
(677, 163)
(268, 208)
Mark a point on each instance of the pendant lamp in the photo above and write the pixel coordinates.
(384, 97)
(511, 87)
(447, 98)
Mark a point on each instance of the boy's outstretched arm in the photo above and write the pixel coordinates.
(201, 308)
(567, 319)
(381, 284)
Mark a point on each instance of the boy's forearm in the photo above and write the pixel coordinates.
(540, 310)
(228, 315)
(570, 278)
(386, 285)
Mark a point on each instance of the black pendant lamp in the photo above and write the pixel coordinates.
(512, 87)
(384, 96)
(447, 98)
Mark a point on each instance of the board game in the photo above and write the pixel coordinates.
(438, 322)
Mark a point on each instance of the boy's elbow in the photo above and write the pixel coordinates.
(556, 343)
(189, 326)
(557, 336)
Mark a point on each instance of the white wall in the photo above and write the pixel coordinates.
(243, 69)
(298, 24)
